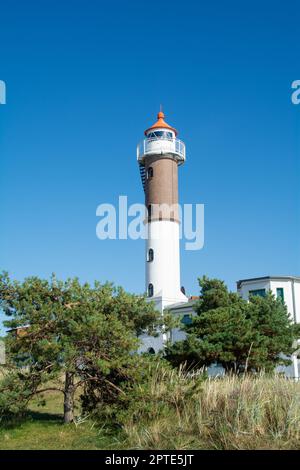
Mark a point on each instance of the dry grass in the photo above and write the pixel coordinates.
(219, 413)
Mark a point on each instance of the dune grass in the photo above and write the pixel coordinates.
(219, 413)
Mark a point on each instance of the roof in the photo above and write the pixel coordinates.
(268, 278)
(18, 328)
(161, 124)
(181, 305)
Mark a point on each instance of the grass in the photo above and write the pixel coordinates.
(44, 429)
(219, 413)
(175, 411)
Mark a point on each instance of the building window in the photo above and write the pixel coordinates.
(150, 172)
(150, 255)
(280, 293)
(186, 319)
(150, 290)
(149, 211)
(259, 292)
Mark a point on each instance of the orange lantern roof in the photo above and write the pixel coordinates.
(161, 124)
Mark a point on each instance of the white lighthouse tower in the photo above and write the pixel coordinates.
(159, 156)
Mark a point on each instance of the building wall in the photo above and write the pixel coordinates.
(150, 342)
(249, 286)
(297, 300)
(273, 285)
(287, 290)
(292, 302)
(177, 334)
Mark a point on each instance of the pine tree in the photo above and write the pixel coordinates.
(86, 334)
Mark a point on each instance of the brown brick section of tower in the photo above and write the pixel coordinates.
(162, 188)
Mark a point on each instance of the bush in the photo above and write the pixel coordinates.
(161, 389)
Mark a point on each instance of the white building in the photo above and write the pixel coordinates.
(285, 287)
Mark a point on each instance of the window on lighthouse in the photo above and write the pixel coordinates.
(150, 255)
(160, 135)
(150, 290)
(150, 172)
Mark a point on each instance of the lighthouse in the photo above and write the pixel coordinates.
(159, 155)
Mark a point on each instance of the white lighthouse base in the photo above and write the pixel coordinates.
(163, 273)
(155, 344)
(162, 303)
(151, 344)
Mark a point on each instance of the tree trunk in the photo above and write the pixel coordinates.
(69, 398)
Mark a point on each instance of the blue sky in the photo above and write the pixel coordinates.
(84, 79)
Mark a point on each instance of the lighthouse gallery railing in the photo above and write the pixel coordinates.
(163, 146)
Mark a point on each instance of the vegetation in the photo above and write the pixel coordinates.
(236, 334)
(174, 411)
(217, 413)
(42, 428)
(88, 334)
(74, 380)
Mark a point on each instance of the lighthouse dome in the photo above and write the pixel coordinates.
(161, 127)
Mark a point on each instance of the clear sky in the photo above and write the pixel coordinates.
(85, 78)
